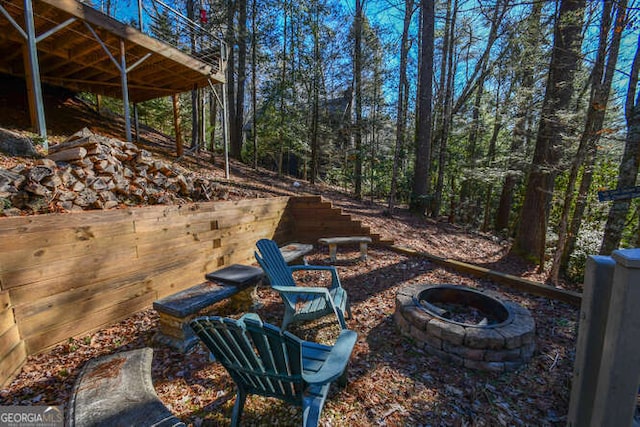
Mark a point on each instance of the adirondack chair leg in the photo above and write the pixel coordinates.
(311, 415)
(340, 316)
(288, 317)
(342, 381)
(349, 315)
(241, 397)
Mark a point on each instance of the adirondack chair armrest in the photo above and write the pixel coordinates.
(302, 290)
(336, 362)
(251, 317)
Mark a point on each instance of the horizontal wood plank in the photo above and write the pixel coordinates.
(90, 266)
(87, 323)
(47, 253)
(38, 317)
(60, 234)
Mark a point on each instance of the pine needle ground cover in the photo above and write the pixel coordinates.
(391, 381)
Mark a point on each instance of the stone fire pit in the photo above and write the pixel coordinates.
(466, 327)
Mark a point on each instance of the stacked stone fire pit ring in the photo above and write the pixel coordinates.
(501, 341)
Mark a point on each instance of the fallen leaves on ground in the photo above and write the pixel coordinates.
(391, 381)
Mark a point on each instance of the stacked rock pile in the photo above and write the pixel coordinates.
(90, 171)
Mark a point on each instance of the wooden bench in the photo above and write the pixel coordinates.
(117, 390)
(333, 243)
(177, 310)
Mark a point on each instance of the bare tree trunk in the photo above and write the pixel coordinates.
(195, 128)
(231, 76)
(532, 228)
(436, 202)
(421, 177)
(403, 88)
(601, 79)
(357, 75)
(531, 46)
(254, 89)
(238, 122)
(628, 166)
(471, 157)
(441, 100)
(315, 89)
(491, 157)
(283, 85)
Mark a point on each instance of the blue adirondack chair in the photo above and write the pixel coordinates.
(302, 302)
(262, 359)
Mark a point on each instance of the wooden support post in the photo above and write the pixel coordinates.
(177, 123)
(201, 121)
(34, 88)
(125, 90)
(31, 97)
(136, 122)
(225, 130)
(598, 281)
(213, 115)
(619, 375)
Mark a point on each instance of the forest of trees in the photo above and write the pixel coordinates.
(500, 116)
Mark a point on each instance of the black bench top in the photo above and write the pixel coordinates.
(221, 285)
(236, 274)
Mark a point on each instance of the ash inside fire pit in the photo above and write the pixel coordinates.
(466, 327)
(463, 306)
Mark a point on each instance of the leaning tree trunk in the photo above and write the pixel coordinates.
(628, 166)
(531, 236)
(519, 139)
(601, 78)
(403, 87)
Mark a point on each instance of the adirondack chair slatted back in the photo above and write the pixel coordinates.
(268, 361)
(272, 262)
(259, 358)
(302, 303)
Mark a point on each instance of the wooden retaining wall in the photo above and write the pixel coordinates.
(67, 275)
